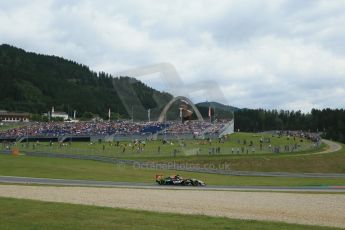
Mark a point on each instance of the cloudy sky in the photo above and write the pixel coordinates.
(255, 54)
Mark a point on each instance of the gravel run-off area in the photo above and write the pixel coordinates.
(314, 209)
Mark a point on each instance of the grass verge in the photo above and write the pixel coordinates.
(318, 163)
(29, 214)
(91, 170)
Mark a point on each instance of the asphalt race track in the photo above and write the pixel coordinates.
(91, 183)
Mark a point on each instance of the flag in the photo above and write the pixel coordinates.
(149, 114)
(109, 113)
(210, 113)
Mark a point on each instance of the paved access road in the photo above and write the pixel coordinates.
(333, 146)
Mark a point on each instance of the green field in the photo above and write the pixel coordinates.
(29, 214)
(236, 144)
(91, 170)
(300, 161)
(258, 161)
(318, 163)
(260, 156)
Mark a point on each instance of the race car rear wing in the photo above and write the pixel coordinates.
(159, 177)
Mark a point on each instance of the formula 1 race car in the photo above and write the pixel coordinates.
(178, 180)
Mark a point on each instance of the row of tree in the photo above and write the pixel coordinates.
(331, 122)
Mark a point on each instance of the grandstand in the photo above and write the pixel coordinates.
(111, 130)
(120, 130)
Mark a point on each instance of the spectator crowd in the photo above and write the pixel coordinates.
(56, 129)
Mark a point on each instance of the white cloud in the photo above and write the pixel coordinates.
(271, 54)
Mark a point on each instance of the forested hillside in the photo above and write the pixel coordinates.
(34, 83)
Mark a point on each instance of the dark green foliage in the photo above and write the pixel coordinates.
(38, 117)
(329, 121)
(34, 83)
